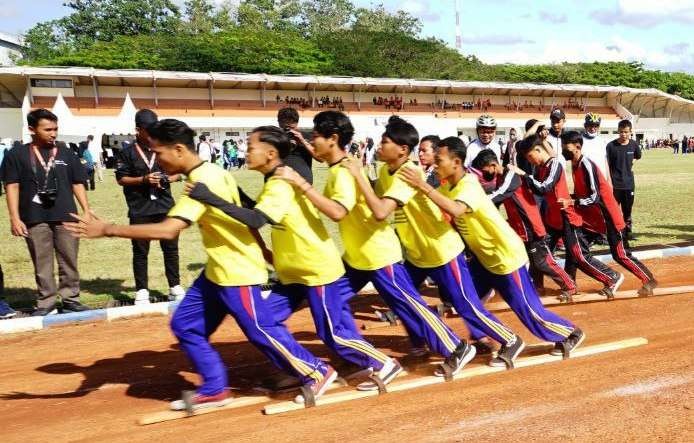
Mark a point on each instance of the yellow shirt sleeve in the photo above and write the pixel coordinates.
(188, 209)
(344, 189)
(400, 191)
(275, 199)
(470, 194)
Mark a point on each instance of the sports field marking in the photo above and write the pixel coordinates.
(278, 408)
(650, 387)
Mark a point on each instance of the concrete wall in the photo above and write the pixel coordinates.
(10, 123)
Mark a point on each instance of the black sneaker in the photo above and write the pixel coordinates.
(455, 362)
(74, 306)
(570, 343)
(508, 354)
(647, 289)
(42, 312)
(567, 296)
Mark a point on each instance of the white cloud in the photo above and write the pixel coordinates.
(552, 18)
(419, 9)
(615, 49)
(646, 13)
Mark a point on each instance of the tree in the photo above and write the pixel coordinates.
(200, 16)
(279, 15)
(322, 16)
(380, 20)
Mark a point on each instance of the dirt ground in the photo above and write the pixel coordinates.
(93, 381)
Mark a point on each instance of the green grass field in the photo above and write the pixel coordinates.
(663, 213)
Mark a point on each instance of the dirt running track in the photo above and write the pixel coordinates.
(91, 382)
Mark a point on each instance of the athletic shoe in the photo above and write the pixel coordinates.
(42, 312)
(648, 287)
(74, 306)
(176, 293)
(614, 287)
(6, 311)
(462, 355)
(483, 347)
(567, 296)
(388, 372)
(318, 387)
(142, 297)
(199, 401)
(570, 343)
(508, 353)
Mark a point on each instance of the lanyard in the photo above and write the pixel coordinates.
(51, 160)
(150, 162)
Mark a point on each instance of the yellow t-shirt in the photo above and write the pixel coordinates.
(428, 239)
(487, 234)
(369, 244)
(303, 251)
(233, 255)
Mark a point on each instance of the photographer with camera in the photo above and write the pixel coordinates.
(147, 192)
(302, 153)
(43, 178)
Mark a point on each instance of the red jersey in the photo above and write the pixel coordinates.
(594, 198)
(549, 180)
(521, 207)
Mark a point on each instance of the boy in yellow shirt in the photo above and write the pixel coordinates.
(230, 283)
(499, 257)
(372, 251)
(305, 258)
(432, 247)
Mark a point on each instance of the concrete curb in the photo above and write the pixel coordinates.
(27, 324)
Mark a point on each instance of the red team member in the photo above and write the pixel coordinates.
(549, 181)
(594, 200)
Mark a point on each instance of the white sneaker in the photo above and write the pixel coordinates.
(176, 293)
(142, 297)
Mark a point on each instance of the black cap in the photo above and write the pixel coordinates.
(557, 114)
(145, 118)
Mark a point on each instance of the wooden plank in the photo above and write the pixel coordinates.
(278, 408)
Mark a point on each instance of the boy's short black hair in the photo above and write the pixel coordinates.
(574, 137)
(456, 147)
(485, 158)
(144, 118)
(402, 132)
(328, 123)
(624, 124)
(527, 144)
(170, 131)
(433, 139)
(276, 137)
(286, 116)
(36, 115)
(529, 124)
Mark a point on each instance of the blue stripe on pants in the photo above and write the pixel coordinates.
(395, 287)
(332, 317)
(455, 283)
(518, 291)
(202, 311)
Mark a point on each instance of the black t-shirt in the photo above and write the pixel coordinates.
(143, 200)
(21, 166)
(300, 160)
(620, 159)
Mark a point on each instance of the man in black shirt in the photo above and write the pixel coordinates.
(301, 157)
(147, 192)
(621, 154)
(43, 179)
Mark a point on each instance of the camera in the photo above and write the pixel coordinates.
(164, 179)
(47, 196)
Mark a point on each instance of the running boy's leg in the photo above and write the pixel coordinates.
(196, 318)
(577, 250)
(622, 254)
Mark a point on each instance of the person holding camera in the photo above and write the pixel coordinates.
(147, 192)
(43, 178)
(301, 156)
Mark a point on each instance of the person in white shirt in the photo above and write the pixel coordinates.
(486, 132)
(94, 148)
(204, 149)
(594, 146)
(241, 154)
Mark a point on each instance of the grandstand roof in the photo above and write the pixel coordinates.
(643, 102)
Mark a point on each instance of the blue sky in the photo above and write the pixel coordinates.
(659, 33)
